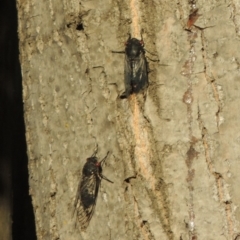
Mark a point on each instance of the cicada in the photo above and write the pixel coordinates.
(87, 192)
(135, 67)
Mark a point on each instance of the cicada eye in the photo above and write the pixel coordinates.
(141, 42)
(98, 164)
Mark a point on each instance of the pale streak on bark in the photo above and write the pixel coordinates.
(141, 135)
(142, 149)
(135, 18)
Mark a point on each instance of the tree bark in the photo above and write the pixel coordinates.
(174, 147)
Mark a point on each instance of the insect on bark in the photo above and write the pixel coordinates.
(135, 67)
(87, 192)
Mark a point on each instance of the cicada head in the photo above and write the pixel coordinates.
(91, 166)
(133, 48)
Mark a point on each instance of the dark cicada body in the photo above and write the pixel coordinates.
(87, 192)
(135, 67)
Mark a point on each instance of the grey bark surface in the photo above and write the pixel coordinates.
(175, 148)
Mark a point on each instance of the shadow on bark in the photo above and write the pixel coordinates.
(16, 206)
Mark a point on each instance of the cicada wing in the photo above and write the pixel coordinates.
(86, 199)
(127, 78)
(139, 73)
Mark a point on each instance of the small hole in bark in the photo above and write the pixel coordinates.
(128, 179)
(144, 222)
(80, 27)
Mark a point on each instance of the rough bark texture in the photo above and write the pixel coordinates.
(174, 148)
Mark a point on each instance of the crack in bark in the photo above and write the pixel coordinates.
(218, 177)
(146, 232)
(211, 81)
(143, 224)
(234, 16)
(187, 71)
(221, 186)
